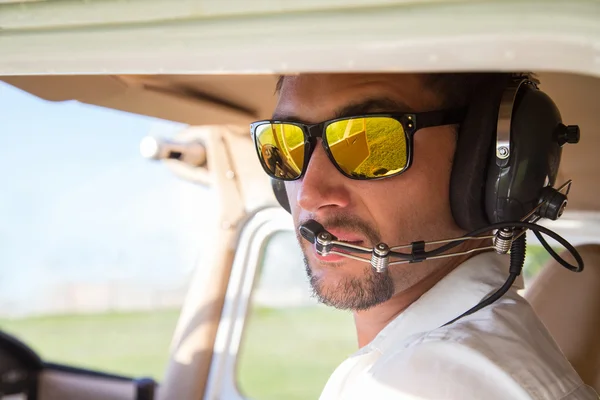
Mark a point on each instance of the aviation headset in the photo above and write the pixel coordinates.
(508, 151)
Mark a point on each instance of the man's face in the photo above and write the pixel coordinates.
(398, 210)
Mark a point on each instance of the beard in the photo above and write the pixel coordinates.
(351, 293)
(355, 294)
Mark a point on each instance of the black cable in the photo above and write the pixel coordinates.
(517, 259)
(517, 224)
(536, 229)
(558, 258)
(517, 253)
(423, 255)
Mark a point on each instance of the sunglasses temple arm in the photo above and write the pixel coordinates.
(440, 118)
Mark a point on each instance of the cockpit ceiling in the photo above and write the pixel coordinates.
(190, 99)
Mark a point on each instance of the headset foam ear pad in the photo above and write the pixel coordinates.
(280, 194)
(473, 150)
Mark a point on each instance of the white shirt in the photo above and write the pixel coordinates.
(501, 352)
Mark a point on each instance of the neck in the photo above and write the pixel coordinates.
(371, 321)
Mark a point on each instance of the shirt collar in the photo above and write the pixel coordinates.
(454, 294)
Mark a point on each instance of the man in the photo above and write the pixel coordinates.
(406, 352)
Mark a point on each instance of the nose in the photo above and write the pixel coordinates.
(322, 188)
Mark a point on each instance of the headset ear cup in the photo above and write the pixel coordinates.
(515, 187)
(281, 194)
(473, 152)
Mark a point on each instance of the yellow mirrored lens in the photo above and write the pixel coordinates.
(368, 147)
(281, 149)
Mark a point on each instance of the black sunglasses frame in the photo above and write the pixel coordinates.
(411, 123)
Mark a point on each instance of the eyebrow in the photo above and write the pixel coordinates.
(377, 104)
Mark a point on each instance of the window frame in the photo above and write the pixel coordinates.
(254, 237)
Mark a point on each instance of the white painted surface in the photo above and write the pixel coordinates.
(266, 37)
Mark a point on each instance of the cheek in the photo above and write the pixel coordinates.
(417, 201)
(434, 154)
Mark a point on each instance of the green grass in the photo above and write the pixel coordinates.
(286, 353)
(535, 258)
(291, 354)
(135, 344)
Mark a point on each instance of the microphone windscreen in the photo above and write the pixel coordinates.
(310, 230)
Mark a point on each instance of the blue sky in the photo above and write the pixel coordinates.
(79, 204)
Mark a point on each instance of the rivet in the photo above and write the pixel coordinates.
(324, 236)
(503, 152)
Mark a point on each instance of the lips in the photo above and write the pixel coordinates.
(345, 236)
(342, 236)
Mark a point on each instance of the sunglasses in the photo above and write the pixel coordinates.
(370, 146)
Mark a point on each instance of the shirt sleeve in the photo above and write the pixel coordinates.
(441, 370)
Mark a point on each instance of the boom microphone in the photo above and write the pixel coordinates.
(508, 236)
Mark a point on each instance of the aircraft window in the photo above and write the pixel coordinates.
(98, 248)
(291, 344)
(97, 243)
(536, 258)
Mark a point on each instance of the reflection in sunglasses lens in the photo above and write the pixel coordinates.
(281, 149)
(368, 147)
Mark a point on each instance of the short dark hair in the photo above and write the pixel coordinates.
(455, 89)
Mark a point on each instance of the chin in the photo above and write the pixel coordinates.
(348, 284)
